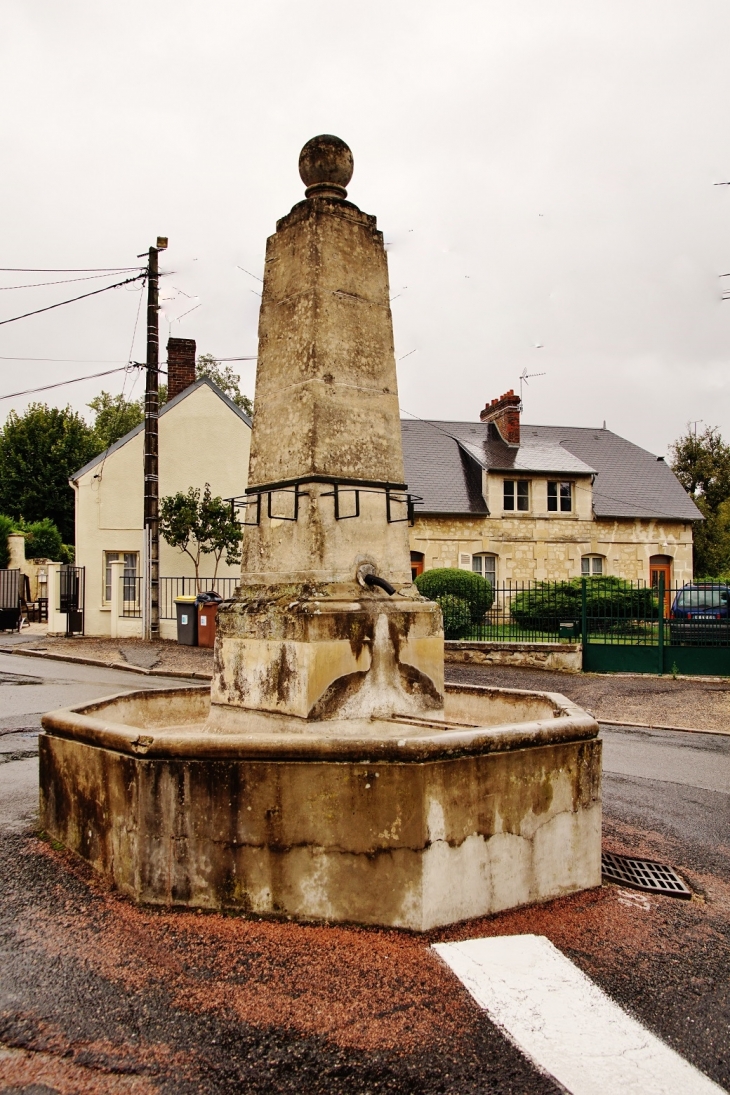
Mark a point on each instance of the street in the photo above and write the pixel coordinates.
(99, 996)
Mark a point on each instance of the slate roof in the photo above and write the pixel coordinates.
(163, 410)
(444, 461)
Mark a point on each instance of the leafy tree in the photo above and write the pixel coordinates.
(39, 451)
(114, 417)
(42, 540)
(7, 525)
(200, 526)
(702, 465)
(225, 378)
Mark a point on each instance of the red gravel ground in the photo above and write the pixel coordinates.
(111, 998)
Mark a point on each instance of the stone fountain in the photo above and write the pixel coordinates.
(327, 774)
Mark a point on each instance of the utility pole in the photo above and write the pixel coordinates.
(151, 606)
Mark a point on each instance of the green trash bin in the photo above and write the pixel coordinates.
(187, 621)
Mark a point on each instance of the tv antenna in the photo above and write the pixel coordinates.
(525, 376)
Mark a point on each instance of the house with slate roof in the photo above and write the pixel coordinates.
(203, 438)
(518, 503)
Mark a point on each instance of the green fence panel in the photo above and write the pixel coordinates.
(703, 661)
(607, 658)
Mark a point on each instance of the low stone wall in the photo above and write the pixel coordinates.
(564, 657)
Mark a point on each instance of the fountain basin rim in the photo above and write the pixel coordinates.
(397, 740)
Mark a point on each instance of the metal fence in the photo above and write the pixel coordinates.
(623, 625)
(71, 597)
(170, 588)
(9, 588)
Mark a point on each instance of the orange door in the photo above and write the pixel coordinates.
(656, 570)
(416, 564)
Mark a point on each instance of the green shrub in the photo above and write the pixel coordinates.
(67, 554)
(610, 603)
(457, 616)
(462, 584)
(7, 525)
(42, 540)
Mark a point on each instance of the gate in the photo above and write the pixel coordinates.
(71, 588)
(9, 600)
(632, 630)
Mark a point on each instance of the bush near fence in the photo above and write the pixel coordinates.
(464, 598)
(611, 603)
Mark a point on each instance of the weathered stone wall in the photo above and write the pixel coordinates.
(560, 657)
(550, 549)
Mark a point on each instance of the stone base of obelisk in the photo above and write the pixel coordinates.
(327, 655)
(400, 822)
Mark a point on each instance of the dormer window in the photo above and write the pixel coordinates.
(517, 494)
(560, 497)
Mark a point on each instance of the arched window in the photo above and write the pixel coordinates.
(591, 566)
(486, 565)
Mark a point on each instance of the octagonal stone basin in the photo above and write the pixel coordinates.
(401, 822)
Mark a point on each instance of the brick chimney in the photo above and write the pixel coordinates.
(505, 414)
(180, 365)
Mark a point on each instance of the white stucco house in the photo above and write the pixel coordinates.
(203, 438)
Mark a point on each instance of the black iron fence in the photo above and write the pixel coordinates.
(71, 591)
(170, 588)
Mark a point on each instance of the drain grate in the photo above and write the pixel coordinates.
(643, 874)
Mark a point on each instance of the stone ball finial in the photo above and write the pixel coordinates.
(326, 166)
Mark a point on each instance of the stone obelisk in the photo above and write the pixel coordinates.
(327, 623)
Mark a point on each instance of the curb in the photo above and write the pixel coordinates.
(126, 666)
(653, 726)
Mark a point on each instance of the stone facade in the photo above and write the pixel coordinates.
(551, 548)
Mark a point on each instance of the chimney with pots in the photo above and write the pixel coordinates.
(180, 365)
(505, 414)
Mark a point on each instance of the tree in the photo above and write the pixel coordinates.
(200, 526)
(701, 462)
(42, 540)
(225, 378)
(115, 416)
(39, 451)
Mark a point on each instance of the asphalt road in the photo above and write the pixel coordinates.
(98, 996)
(28, 688)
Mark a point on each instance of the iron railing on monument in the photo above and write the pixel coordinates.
(170, 588)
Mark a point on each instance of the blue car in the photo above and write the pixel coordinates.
(700, 614)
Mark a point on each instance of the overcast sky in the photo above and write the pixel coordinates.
(543, 172)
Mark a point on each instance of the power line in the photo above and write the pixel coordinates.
(72, 300)
(61, 383)
(71, 360)
(68, 270)
(61, 281)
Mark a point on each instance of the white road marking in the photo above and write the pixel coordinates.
(564, 1023)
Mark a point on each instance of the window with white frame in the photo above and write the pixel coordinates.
(486, 565)
(560, 497)
(592, 566)
(517, 495)
(131, 570)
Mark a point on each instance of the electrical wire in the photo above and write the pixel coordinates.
(71, 360)
(61, 281)
(72, 300)
(61, 383)
(68, 269)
